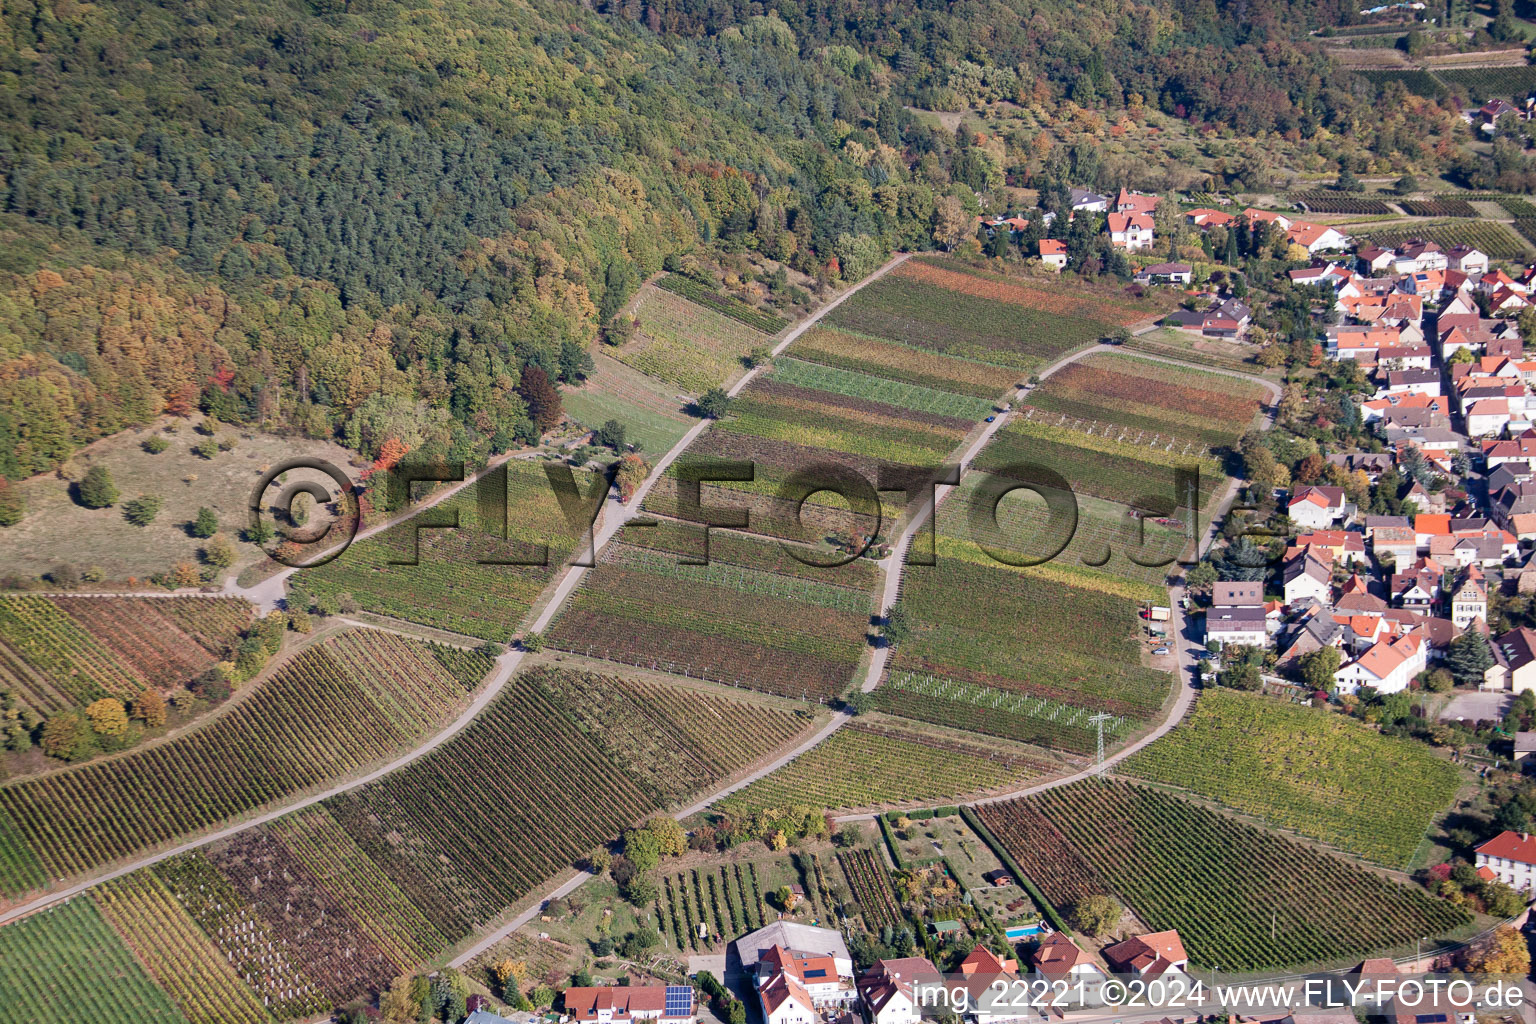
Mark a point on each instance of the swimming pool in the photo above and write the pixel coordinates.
(1024, 931)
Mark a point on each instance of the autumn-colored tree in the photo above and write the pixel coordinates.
(149, 707)
(1506, 952)
(629, 475)
(390, 453)
(542, 398)
(108, 716)
(219, 552)
(67, 735)
(185, 574)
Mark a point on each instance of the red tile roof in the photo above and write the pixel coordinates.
(1516, 846)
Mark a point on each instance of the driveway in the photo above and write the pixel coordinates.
(1474, 705)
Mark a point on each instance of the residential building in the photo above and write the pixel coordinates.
(1511, 856)
(1318, 508)
(1166, 273)
(1518, 648)
(1151, 955)
(1388, 666)
(890, 989)
(1316, 238)
(1417, 255)
(1058, 957)
(1306, 578)
(1130, 231)
(1469, 600)
(1053, 253)
(1135, 202)
(1467, 259)
(621, 1004)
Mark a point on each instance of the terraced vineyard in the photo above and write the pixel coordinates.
(569, 796)
(864, 766)
(1308, 770)
(728, 622)
(1104, 467)
(1324, 202)
(1239, 896)
(334, 708)
(62, 652)
(1438, 208)
(468, 580)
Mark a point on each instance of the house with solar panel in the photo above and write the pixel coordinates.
(623, 1004)
(800, 972)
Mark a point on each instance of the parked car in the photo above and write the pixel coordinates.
(1162, 650)
(991, 418)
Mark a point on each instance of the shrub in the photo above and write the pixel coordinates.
(155, 445)
(96, 490)
(206, 524)
(141, 511)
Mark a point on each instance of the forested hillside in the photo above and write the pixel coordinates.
(366, 219)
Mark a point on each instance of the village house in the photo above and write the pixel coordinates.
(1467, 259)
(890, 990)
(1319, 507)
(1151, 956)
(1206, 218)
(623, 1004)
(1135, 202)
(1130, 231)
(985, 1000)
(1053, 253)
(1166, 273)
(1469, 599)
(1088, 202)
(1518, 648)
(1316, 238)
(1306, 578)
(1387, 667)
(1058, 957)
(1417, 255)
(1374, 259)
(1511, 856)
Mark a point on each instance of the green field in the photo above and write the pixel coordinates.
(1309, 770)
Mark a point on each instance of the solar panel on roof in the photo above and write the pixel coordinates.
(820, 972)
(679, 1000)
(1431, 1018)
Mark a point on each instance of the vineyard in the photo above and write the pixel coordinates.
(762, 320)
(1438, 208)
(779, 412)
(61, 652)
(472, 827)
(689, 343)
(1239, 896)
(66, 964)
(1306, 770)
(924, 306)
(1323, 202)
(1102, 466)
(176, 953)
(871, 889)
(673, 740)
(1419, 83)
(466, 580)
(312, 922)
(1152, 398)
(727, 899)
(336, 707)
(852, 384)
(984, 284)
(261, 958)
(1489, 236)
(1019, 656)
(1099, 552)
(865, 767)
(894, 361)
(786, 635)
(1480, 84)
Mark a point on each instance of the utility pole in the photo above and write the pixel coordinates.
(1099, 720)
